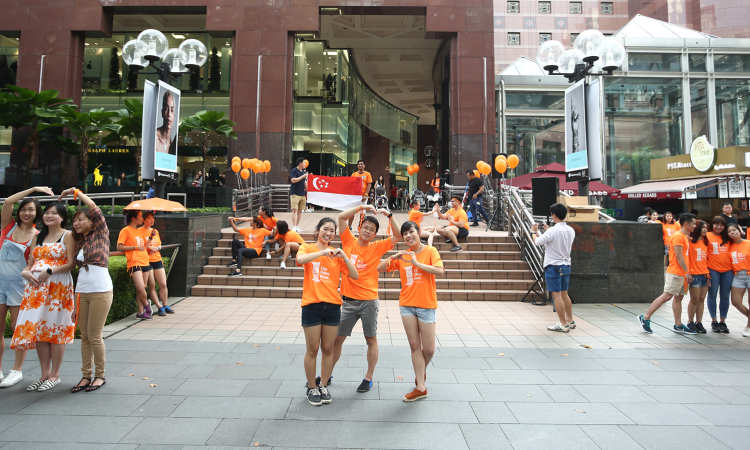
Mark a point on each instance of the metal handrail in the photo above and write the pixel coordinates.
(94, 196)
(248, 200)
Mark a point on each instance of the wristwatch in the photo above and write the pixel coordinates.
(49, 271)
(390, 214)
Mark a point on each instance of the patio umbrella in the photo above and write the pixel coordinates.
(156, 204)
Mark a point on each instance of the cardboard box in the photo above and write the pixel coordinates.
(579, 209)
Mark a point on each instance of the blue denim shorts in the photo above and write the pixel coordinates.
(557, 278)
(423, 315)
(741, 280)
(699, 280)
(321, 313)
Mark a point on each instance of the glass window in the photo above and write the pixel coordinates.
(607, 8)
(544, 37)
(733, 112)
(697, 62)
(575, 7)
(514, 38)
(654, 62)
(8, 69)
(537, 141)
(643, 121)
(544, 7)
(535, 100)
(513, 7)
(698, 108)
(732, 63)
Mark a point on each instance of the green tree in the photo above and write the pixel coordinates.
(85, 128)
(204, 128)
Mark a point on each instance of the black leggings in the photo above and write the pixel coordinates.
(239, 252)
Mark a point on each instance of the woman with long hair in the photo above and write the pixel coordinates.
(721, 273)
(93, 286)
(698, 269)
(417, 267)
(740, 253)
(16, 238)
(252, 246)
(132, 241)
(265, 214)
(157, 274)
(668, 228)
(321, 305)
(47, 317)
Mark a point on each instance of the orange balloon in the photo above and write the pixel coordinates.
(255, 166)
(479, 165)
(485, 169)
(513, 161)
(266, 166)
(305, 163)
(245, 174)
(236, 166)
(415, 166)
(410, 169)
(501, 165)
(236, 158)
(245, 163)
(476, 173)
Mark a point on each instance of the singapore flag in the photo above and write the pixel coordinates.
(339, 193)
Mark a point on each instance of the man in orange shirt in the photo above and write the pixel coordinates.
(366, 184)
(674, 279)
(458, 224)
(361, 295)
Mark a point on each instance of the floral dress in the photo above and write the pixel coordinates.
(46, 311)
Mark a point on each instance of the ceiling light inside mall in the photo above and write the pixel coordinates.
(195, 52)
(569, 59)
(156, 43)
(589, 43)
(178, 36)
(549, 54)
(133, 53)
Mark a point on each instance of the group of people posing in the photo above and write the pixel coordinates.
(38, 256)
(703, 260)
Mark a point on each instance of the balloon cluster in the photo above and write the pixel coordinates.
(502, 163)
(411, 169)
(244, 166)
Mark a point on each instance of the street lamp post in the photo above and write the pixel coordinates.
(592, 55)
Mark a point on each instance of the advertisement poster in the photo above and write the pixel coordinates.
(576, 154)
(161, 118)
(594, 117)
(147, 136)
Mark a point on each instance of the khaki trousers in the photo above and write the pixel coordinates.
(92, 313)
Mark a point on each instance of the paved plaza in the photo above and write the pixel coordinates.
(227, 372)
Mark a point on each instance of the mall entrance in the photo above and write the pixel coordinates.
(371, 85)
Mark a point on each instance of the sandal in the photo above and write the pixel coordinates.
(92, 387)
(79, 387)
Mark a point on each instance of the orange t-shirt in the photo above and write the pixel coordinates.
(254, 238)
(269, 222)
(416, 216)
(698, 263)
(155, 241)
(366, 259)
(418, 288)
(678, 239)
(718, 254)
(133, 237)
(322, 277)
(435, 183)
(740, 256)
(458, 215)
(668, 230)
(366, 179)
(291, 236)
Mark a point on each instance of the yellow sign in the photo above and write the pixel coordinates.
(727, 160)
(702, 154)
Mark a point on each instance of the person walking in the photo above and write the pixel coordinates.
(321, 305)
(252, 246)
(132, 241)
(417, 267)
(298, 192)
(157, 274)
(557, 241)
(474, 198)
(740, 253)
(720, 270)
(93, 287)
(698, 265)
(16, 239)
(46, 320)
(360, 295)
(458, 224)
(674, 279)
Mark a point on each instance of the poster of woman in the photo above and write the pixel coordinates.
(166, 124)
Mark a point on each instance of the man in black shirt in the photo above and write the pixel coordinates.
(298, 192)
(474, 198)
(727, 213)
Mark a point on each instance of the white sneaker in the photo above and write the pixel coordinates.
(268, 255)
(746, 332)
(282, 265)
(558, 327)
(1, 375)
(572, 324)
(296, 229)
(13, 377)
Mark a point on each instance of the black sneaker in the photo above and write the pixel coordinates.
(365, 385)
(313, 396)
(456, 248)
(691, 328)
(325, 396)
(699, 328)
(330, 380)
(715, 327)
(723, 328)
(475, 224)
(235, 273)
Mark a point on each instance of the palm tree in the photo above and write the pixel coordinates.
(204, 127)
(85, 128)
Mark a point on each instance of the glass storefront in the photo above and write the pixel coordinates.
(733, 112)
(537, 141)
(8, 70)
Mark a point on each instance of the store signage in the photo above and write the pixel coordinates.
(702, 154)
(736, 188)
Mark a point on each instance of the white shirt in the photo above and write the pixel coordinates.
(557, 242)
(94, 280)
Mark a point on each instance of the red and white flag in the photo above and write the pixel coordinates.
(339, 193)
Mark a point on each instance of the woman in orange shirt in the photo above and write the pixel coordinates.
(417, 268)
(668, 228)
(740, 253)
(157, 273)
(321, 305)
(698, 268)
(252, 246)
(133, 243)
(720, 269)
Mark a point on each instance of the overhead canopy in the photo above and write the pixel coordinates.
(557, 170)
(657, 190)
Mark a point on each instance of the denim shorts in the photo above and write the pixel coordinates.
(666, 250)
(321, 313)
(424, 315)
(699, 280)
(741, 280)
(557, 278)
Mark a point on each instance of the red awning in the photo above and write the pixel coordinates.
(659, 190)
(557, 170)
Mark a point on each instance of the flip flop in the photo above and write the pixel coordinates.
(92, 387)
(78, 387)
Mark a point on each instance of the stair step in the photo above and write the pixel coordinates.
(461, 264)
(273, 270)
(441, 246)
(308, 237)
(445, 256)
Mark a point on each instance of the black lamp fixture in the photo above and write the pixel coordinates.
(592, 54)
(151, 47)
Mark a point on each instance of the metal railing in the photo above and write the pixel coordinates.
(107, 197)
(247, 201)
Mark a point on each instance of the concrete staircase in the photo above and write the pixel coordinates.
(489, 268)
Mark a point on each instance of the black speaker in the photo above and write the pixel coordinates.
(543, 195)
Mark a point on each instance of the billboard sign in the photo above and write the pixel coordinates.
(161, 118)
(576, 155)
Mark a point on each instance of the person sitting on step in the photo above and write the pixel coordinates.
(458, 224)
